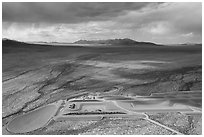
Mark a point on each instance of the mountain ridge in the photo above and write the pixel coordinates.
(125, 41)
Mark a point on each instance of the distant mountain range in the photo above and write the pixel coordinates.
(125, 41)
(114, 42)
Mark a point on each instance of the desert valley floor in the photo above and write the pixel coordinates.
(35, 76)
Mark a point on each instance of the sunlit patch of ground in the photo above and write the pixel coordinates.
(104, 70)
(140, 64)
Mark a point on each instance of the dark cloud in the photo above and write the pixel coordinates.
(66, 12)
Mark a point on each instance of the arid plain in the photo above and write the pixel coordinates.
(37, 75)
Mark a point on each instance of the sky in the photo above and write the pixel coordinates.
(163, 23)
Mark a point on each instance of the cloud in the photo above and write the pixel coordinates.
(157, 28)
(65, 12)
(187, 34)
(166, 22)
(68, 22)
